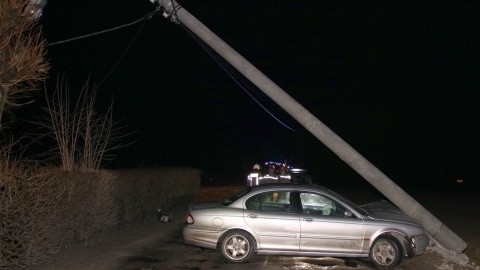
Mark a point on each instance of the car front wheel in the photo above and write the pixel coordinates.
(237, 246)
(385, 253)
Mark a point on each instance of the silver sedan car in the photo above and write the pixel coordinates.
(303, 220)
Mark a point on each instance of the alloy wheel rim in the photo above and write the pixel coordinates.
(384, 253)
(236, 247)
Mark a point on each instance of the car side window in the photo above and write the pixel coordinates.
(254, 203)
(270, 202)
(320, 205)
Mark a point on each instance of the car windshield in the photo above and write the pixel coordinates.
(235, 196)
(351, 204)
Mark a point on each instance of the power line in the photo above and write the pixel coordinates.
(246, 85)
(121, 57)
(146, 17)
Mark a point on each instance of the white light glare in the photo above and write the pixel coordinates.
(35, 8)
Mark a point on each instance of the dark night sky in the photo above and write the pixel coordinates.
(397, 81)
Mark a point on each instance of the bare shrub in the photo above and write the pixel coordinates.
(8, 159)
(28, 234)
(22, 54)
(83, 136)
(142, 191)
(88, 205)
(44, 210)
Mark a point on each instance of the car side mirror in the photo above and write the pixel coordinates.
(348, 213)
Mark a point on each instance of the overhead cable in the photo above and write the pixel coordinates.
(246, 86)
(146, 17)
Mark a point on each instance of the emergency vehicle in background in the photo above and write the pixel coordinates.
(277, 172)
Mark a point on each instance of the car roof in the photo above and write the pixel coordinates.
(290, 186)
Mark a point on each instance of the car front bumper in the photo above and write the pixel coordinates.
(417, 245)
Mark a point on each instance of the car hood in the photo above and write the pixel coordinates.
(204, 205)
(384, 210)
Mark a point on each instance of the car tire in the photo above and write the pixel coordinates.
(237, 246)
(385, 253)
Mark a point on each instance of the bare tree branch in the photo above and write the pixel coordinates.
(22, 54)
(83, 136)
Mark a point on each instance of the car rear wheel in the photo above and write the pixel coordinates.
(237, 246)
(385, 253)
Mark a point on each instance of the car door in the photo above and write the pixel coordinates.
(274, 220)
(324, 227)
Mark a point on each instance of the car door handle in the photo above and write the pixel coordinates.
(252, 216)
(308, 219)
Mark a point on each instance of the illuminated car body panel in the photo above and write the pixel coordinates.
(303, 220)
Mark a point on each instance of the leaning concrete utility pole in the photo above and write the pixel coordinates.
(374, 176)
